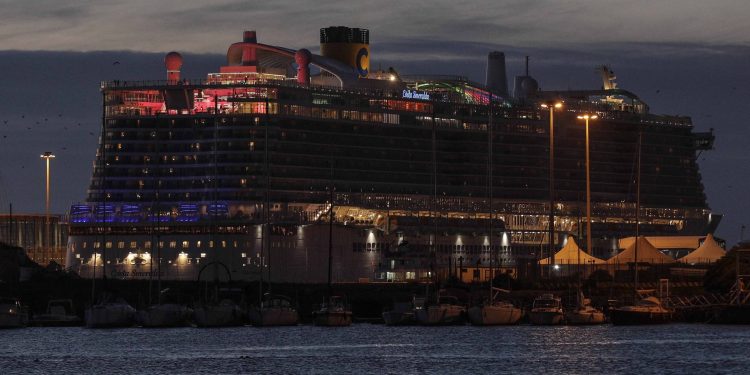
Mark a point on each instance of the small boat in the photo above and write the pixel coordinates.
(274, 310)
(224, 314)
(648, 310)
(402, 313)
(114, 313)
(447, 311)
(547, 310)
(494, 312)
(60, 313)
(584, 313)
(165, 315)
(11, 313)
(335, 313)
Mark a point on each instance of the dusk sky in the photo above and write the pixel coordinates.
(684, 57)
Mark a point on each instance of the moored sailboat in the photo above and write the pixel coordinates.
(547, 310)
(584, 313)
(334, 312)
(648, 310)
(494, 312)
(274, 310)
(447, 311)
(110, 312)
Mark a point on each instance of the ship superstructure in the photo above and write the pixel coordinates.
(193, 169)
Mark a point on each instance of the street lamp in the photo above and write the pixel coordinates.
(552, 106)
(588, 117)
(46, 156)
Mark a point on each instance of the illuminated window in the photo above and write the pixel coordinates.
(85, 244)
(109, 244)
(121, 245)
(172, 244)
(133, 244)
(198, 244)
(147, 244)
(97, 244)
(210, 243)
(203, 255)
(223, 243)
(244, 255)
(185, 244)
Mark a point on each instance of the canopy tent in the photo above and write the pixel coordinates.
(571, 253)
(708, 252)
(647, 253)
(666, 242)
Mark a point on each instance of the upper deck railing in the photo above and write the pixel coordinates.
(602, 109)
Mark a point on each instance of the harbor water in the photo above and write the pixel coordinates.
(377, 349)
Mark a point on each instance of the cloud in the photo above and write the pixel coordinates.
(206, 27)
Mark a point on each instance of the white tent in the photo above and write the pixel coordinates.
(571, 253)
(647, 253)
(708, 252)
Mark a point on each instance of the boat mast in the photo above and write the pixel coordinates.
(330, 227)
(637, 207)
(489, 195)
(434, 213)
(266, 208)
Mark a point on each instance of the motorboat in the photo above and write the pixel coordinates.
(165, 315)
(224, 314)
(274, 310)
(402, 313)
(547, 310)
(648, 310)
(59, 313)
(113, 313)
(447, 311)
(334, 313)
(584, 313)
(494, 312)
(12, 314)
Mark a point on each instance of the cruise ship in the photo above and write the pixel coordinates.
(247, 167)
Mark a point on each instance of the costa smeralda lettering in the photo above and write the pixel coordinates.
(408, 94)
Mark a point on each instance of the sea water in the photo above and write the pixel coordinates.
(377, 349)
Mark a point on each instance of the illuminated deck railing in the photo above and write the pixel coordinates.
(503, 109)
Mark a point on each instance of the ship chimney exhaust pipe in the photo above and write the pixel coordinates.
(496, 79)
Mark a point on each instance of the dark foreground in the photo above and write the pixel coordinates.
(377, 349)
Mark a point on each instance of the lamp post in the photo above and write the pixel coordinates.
(552, 106)
(587, 117)
(46, 156)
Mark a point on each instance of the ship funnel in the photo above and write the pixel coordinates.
(173, 63)
(349, 45)
(496, 79)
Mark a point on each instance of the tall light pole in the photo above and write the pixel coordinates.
(552, 106)
(588, 117)
(46, 156)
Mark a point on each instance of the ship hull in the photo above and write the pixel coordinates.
(620, 317)
(333, 319)
(273, 317)
(110, 316)
(546, 318)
